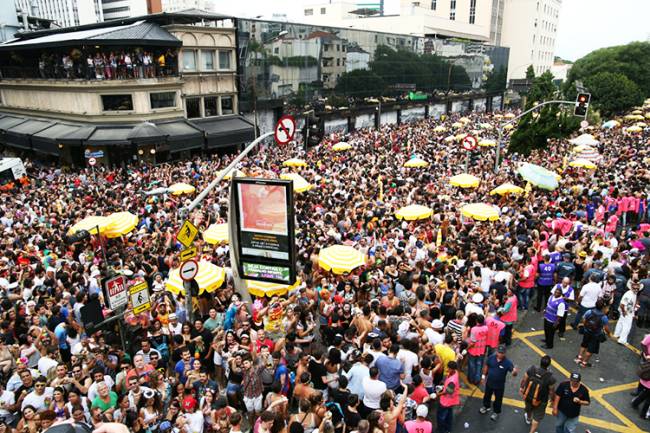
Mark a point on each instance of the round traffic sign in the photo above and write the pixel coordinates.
(584, 124)
(92, 161)
(285, 129)
(188, 270)
(469, 142)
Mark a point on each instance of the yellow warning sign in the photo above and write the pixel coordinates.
(187, 234)
(188, 253)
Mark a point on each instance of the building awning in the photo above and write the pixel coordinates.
(146, 133)
(77, 137)
(225, 131)
(20, 134)
(110, 136)
(181, 136)
(7, 122)
(47, 141)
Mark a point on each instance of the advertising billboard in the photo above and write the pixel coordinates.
(265, 234)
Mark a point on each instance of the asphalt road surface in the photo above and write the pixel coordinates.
(610, 381)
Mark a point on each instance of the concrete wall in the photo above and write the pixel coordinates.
(412, 114)
(479, 105)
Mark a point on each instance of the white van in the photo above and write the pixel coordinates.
(11, 170)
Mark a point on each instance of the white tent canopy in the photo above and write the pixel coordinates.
(586, 139)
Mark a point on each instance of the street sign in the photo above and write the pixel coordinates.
(188, 253)
(92, 161)
(188, 270)
(584, 124)
(469, 142)
(285, 129)
(187, 234)
(116, 291)
(96, 154)
(139, 294)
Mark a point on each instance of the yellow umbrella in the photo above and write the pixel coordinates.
(464, 120)
(414, 212)
(181, 188)
(507, 188)
(641, 124)
(582, 163)
(339, 147)
(486, 126)
(637, 112)
(90, 223)
(509, 116)
(480, 212)
(634, 117)
(508, 127)
(295, 162)
(120, 223)
(583, 147)
(340, 259)
(487, 142)
(299, 182)
(416, 163)
(457, 125)
(449, 139)
(647, 115)
(634, 129)
(459, 137)
(209, 278)
(498, 116)
(216, 233)
(465, 180)
(439, 129)
(261, 288)
(235, 172)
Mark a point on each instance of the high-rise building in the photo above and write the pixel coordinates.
(65, 13)
(179, 5)
(120, 9)
(527, 27)
(530, 30)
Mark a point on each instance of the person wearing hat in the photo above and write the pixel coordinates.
(495, 371)
(570, 396)
(420, 424)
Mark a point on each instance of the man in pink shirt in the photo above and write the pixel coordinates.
(495, 326)
(420, 424)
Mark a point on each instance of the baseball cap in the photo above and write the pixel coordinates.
(165, 426)
(501, 348)
(189, 403)
(422, 411)
(576, 376)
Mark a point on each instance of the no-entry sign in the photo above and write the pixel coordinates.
(285, 129)
(92, 161)
(188, 270)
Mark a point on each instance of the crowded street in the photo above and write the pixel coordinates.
(447, 302)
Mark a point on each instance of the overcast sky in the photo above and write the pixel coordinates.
(585, 25)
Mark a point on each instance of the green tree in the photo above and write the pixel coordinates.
(613, 92)
(550, 121)
(631, 60)
(360, 83)
(530, 73)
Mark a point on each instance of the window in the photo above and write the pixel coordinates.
(224, 59)
(208, 60)
(227, 105)
(338, 62)
(117, 102)
(323, 11)
(211, 106)
(326, 47)
(162, 100)
(472, 11)
(433, 4)
(189, 60)
(193, 107)
(309, 12)
(115, 10)
(452, 12)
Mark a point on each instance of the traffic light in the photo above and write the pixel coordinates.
(582, 104)
(312, 132)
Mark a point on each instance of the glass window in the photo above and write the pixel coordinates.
(433, 5)
(117, 102)
(309, 12)
(189, 60)
(227, 105)
(162, 99)
(323, 11)
(193, 107)
(472, 11)
(224, 59)
(208, 60)
(211, 106)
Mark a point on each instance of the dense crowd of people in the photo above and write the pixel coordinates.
(380, 349)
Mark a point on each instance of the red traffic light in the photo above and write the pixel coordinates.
(582, 98)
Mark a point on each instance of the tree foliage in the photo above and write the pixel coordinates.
(550, 121)
(631, 60)
(496, 81)
(613, 92)
(360, 83)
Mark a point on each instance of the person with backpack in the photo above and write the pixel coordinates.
(594, 331)
(537, 388)
(570, 396)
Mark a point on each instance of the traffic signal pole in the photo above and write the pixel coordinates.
(511, 121)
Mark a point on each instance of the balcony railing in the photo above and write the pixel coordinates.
(84, 72)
